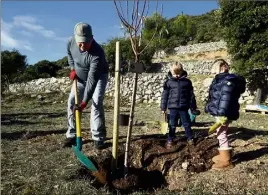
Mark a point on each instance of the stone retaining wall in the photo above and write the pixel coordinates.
(149, 87)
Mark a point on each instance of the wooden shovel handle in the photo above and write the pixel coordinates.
(75, 92)
(165, 116)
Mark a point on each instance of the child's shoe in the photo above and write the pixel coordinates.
(169, 144)
(190, 142)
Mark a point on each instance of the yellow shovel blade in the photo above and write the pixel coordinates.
(220, 121)
(214, 127)
(164, 127)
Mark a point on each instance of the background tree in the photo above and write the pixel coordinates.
(207, 27)
(182, 30)
(27, 75)
(12, 64)
(45, 69)
(158, 25)
(63, 62)
(245, 31)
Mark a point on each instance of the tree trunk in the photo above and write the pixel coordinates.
(130, 122)
(257, 100)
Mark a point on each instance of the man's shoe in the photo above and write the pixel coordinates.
(99, 144)
(69, 142)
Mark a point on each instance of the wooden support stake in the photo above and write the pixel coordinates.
(116, 107)
(129, 132)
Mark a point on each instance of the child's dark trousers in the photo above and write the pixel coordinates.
(175, 114)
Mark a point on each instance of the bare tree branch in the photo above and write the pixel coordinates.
(137, 15)
(147, 9)
(133, 12)
(154, 31)
(125, 23)
(122, 12)
(135, 28)
(141, 16)
(127, 13)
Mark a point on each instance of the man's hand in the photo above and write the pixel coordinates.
(81, 107)
(164, 112)
(72, 75)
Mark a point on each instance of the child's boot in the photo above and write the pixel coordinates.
(224, 161)
(217, 158)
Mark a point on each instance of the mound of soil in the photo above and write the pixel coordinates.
(137, 179)
(151, 165)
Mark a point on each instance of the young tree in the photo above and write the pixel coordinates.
(126, 53)
(133, 26)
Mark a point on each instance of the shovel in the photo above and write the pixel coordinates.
(219, 122)
(77, 149)
(164, 125)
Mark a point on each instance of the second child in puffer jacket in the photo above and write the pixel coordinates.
(224, 93)
(177, 96)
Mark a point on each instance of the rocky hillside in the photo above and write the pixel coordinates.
(196, 58)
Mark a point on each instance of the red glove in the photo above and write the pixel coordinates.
(81, 107)
(72, 75)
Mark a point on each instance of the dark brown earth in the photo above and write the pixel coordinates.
(151, 162)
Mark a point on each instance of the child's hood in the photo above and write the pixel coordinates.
(226, 76)
(183, 75)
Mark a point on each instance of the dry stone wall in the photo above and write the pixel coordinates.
(149, 87)
(149, 84)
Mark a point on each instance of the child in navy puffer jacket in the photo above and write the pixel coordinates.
(177, 97)
(224, 94)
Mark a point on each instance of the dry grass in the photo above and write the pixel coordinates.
(210, 55)
(33, 161)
